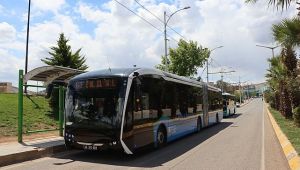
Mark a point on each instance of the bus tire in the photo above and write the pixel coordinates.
(217, 118)
(161, 137)
(199, 124)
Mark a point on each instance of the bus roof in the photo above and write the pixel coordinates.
(120, 72)
(227, 94)
(125, 72)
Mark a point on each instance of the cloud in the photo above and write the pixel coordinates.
(7, 32)
(9, 65)
(118, 38)
(92, 14)
(46, 5)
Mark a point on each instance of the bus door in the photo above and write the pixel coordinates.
(205, 105)
(142, 116)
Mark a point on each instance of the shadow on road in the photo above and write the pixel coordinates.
(233, 116)
(147, 158)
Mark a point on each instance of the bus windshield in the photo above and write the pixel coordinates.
(95, 104)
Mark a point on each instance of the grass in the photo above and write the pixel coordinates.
(289, 129)
(37, 114)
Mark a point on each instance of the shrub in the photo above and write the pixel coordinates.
(297, 116)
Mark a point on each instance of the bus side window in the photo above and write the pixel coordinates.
(137, 94)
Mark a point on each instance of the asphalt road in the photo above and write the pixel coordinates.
(244, 141)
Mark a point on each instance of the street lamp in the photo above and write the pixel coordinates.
(207, 61)
(272, 48)
(166, 20)
(27, 39)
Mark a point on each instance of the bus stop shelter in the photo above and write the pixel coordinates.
(47, 75)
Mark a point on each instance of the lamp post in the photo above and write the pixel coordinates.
(166, 20)
(27, 39)
(207, 62)
(272, 48)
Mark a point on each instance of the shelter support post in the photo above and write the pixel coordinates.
(61, 110)
(20, 107)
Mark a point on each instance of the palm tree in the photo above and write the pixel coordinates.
(278, 82)
(277, 3)
(287, 33)
(275, 77)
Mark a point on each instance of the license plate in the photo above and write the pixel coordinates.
(90, 147)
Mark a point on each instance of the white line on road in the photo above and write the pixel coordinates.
(262, 166)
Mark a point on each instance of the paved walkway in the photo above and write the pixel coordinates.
(16, 152)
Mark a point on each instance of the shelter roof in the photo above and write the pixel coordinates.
(48, 74)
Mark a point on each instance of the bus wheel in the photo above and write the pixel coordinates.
(161, 137)
(199, 124)
(217, 118)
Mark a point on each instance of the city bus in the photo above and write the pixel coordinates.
(136, 107)
(229, 107)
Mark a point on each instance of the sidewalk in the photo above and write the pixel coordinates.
(246, 102)
(14, 152)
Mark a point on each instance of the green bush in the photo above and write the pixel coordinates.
(297, 116)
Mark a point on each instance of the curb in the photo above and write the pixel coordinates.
(245, 103)
(30, 155)
(288, 149)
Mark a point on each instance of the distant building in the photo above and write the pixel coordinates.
(255, 89)
(6, 87)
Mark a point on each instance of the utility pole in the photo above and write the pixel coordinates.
(207, 71)
(222, 72)
(27, 40)
(165, 34)
(240, 89)
(207, 62)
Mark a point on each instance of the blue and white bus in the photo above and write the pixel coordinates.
(229, 103)
(135, 107)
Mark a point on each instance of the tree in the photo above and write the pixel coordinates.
(287, 33)
(62, 55)
(185, 59)
(225, 86)
(276, 3)
(278, 82)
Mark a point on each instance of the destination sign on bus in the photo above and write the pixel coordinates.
(96, 84)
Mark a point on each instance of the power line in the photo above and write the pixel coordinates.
(143, 19)
(159, 19)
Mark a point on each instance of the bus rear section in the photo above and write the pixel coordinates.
(159, 111)
(229, 104)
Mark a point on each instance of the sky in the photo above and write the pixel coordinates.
(112, 36)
